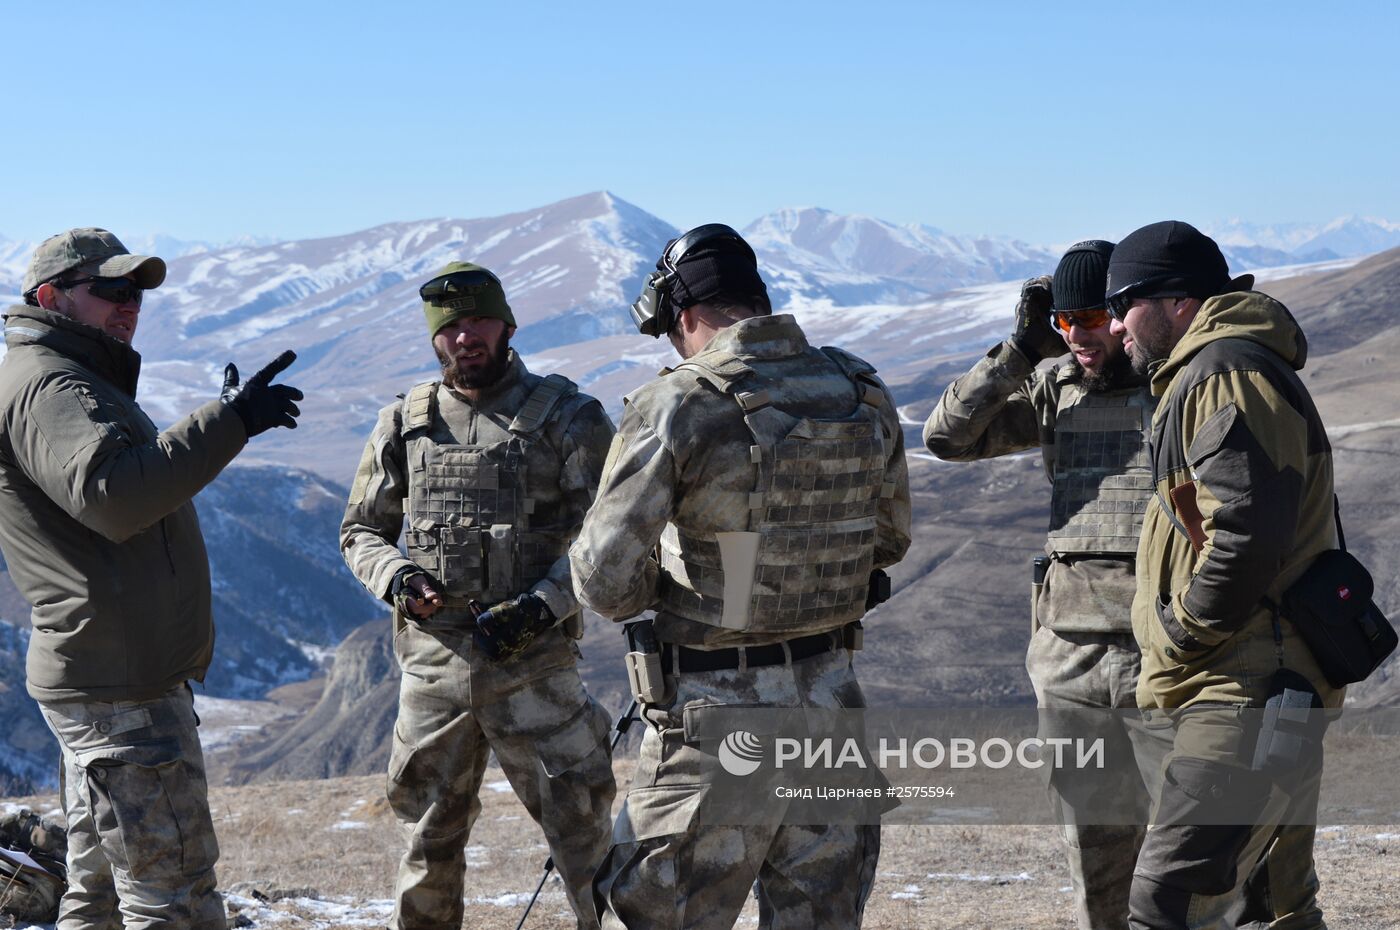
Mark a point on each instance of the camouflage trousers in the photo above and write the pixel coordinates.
(551, 739)
(1075, 674)
(141, 846)
(674, 865)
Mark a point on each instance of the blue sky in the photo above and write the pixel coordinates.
(1050, 122)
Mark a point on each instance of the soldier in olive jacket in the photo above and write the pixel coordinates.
(101, 537)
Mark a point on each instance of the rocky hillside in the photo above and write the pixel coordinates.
(283, 599)
(956, 630)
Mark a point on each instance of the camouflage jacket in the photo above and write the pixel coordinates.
(1006, 405)
(96, 519)
(561, 466)
(683, 445)
(1242, 461)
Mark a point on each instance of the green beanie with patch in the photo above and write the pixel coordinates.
(461, 290)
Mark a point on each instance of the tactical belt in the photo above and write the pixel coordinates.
(685, 660)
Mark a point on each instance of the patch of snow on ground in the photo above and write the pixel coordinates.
(312, 913)
(500, 787)
(970, 877)
(908, 892)
(350, 825)
(1337, 432)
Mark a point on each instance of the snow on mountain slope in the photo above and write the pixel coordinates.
(815, 254)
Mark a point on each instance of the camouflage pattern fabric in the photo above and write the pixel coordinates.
(140, 838)
(670, 869)
(482, 475)
(1081, 653)
(1094, 458)
(1095, 671)
(1099, 471)
(492, 490)
(455, 707)
(686, 472)
(685, 463)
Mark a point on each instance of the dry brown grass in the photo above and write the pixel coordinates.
(284, 838)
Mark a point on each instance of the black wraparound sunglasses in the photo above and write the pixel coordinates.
(1160, 286)
(113, 290)
(454, 285)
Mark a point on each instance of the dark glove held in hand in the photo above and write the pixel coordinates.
(508, 628)
(260, 404)
(400, 592)
(1034, 336)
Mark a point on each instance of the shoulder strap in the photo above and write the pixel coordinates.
(724, 372)
(419, 407)
(860, 372)
(1337, 515)
(536, 410)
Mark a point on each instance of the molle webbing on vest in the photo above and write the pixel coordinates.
(1102, 479)
(812, 514)
(535, 412)
(419, 407)
(469, 507)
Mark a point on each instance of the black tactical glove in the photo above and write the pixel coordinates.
(260, 404)
(400, 591)
(1034, 336)
(507, 629)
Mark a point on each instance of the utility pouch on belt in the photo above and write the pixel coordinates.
(643, 661)
(1040, 565)
(1331, 607)
(879, 589)
(1292, 727)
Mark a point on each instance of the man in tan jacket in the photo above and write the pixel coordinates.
(100, 536)
(1243, 487)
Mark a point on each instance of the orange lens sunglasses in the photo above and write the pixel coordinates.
(1086, 319)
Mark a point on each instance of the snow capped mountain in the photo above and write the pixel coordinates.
(15, 254)
(1344, 237)
(814, 253)
(348, 304)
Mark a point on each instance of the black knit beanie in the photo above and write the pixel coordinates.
(1080, 276)
(1168, 259)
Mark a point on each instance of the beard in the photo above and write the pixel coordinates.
(485, 374)
(1116, 373)
(1153, 341)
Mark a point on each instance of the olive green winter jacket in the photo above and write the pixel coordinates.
(1242, 462)
(96, 522)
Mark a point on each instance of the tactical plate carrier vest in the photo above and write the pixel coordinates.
(802, 563)
(1100, 475)
(470, 506)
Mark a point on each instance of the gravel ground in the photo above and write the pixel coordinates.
(322, 854)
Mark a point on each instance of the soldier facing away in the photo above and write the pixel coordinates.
(493, 469)
(1089, 415)
(748, 497)
(98, 529)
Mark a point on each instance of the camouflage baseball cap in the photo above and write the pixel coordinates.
(94, 252)
(461, 290)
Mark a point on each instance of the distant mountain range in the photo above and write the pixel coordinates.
(348, 304)
(919, 303)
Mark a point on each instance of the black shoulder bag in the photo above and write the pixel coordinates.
(1331, 605)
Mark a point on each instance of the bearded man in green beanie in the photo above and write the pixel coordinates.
(493, 468)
